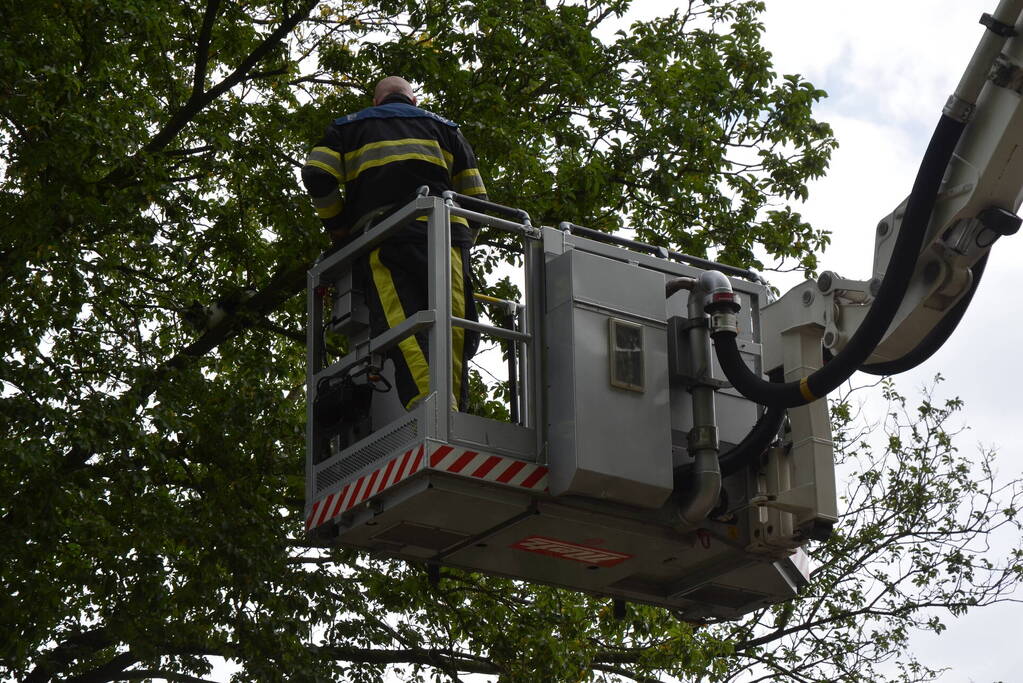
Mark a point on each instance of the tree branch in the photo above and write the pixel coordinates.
(202, 48)
(111, 671)
(200, 100)
(143, 674)
(68, 651)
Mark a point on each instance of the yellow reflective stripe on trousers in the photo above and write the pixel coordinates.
(457, 310)
(395, 314)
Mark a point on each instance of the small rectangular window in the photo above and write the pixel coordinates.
(626, 345)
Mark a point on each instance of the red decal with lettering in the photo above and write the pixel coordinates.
(571, 551)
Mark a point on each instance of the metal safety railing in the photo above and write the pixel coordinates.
(437, 320)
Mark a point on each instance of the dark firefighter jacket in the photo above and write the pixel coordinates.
(382, 155)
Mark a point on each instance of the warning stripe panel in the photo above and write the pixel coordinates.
(444, 458)
(462, 461)
(387, 475)
(489, 467)
(439, 454)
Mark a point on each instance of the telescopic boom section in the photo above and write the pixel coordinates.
(927, 251)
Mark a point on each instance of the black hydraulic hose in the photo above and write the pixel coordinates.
(764, 431)
(882, 311)
(756, 441)
(936, 338)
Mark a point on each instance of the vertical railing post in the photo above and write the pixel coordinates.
(314, 363)
(532, 320)
(439, 291)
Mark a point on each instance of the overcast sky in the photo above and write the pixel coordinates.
(888, 68)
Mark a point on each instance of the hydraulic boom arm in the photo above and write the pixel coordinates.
(929, 252)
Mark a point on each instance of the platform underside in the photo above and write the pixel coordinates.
(481, 511)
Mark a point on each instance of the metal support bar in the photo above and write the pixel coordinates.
(487, 205)
(314, 359)
(332, 265)
(499, 332)
(499, 223)
(531, 318)
(392, 337)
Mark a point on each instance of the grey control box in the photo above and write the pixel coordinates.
(607, 374)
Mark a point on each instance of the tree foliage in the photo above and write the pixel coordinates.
(152, 476)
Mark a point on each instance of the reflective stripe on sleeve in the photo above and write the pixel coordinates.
(326, 159)
(328, 205)
(469, 182)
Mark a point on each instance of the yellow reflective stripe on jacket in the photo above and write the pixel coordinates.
(388, 151)
(326, 159)
(469, 182)
(330, 211)
(328, 205)
(395, 314)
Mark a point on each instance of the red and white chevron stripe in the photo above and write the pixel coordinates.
(384, 477)
(489, 467)
(460, 461)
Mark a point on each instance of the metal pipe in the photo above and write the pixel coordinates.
(678, 284)
(705, 490)
(494, 222)
(486, 205)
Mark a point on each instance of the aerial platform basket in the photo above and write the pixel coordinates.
(592, 483)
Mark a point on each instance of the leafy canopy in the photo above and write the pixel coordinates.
(152, 476)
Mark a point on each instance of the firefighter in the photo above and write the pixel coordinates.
(371, 162)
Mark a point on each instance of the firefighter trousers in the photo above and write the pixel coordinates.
(395, 281)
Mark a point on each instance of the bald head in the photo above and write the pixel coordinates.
(393, 85)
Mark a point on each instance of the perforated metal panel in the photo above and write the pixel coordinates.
(379, 446)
